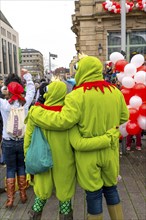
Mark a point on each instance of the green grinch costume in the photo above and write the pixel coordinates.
(95, 106)
(63, 173)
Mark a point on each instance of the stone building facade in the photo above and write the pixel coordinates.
(32, 60)
(9, 48)
(98, 32)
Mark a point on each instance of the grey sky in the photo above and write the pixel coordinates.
(44, 26)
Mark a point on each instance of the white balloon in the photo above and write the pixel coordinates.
(130, 69)
(142, 122)
(128, 82)
(115, 56)
(120, 76)
(122, 129)
(113, 7)
(137, 60)
(135, 101)
(140, 77)
(109, 8)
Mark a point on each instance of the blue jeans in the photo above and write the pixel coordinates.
(14, 157)
(94, 199)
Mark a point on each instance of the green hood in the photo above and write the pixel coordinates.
(56, 93)
(89, 69)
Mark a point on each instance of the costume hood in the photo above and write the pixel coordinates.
(56, 92)
(89, 69)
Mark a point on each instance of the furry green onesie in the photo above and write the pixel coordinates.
(63, 173)
(96, 107)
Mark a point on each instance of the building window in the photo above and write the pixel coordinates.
(14, 38)
(15, 58)
(10, 57)
(3, 31)
(4, 55)
(9, 35)
(135, 43)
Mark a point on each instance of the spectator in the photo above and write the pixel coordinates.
(13, 148)
(129, 141)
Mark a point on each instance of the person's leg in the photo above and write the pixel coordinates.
(65, 210)
(42, 186)
(138, 141)
(21, 175)
(10, 160)
(113, 202)
(128, 142)
(37, 208)
(94, 205)
(110, 173)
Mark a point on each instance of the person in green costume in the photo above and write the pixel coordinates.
(63, 173)
(95, 106)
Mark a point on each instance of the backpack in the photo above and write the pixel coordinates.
(15, 124)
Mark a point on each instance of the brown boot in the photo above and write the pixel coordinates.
(95, 217)
(22, 184)
(10, 183)
(115, 212)
(66, 217)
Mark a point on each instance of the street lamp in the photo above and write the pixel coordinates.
(100, 49)
(123, 26)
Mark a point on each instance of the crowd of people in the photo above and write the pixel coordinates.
(79, 119)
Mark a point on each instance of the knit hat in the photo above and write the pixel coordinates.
(16, 90)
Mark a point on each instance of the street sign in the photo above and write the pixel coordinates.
(53, 55)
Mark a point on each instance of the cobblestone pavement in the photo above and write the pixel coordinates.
(131, 188)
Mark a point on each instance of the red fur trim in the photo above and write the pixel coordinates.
(56, 108)
(96, 85)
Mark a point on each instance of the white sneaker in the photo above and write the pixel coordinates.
(138, 147)
(128, 148)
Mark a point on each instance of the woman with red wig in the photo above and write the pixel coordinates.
(13, 147)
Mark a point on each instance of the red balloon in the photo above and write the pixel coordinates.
(127, 93)
(133, 128)
(141, 68)
(133, 114)
(120, 64)
(139, 89)
(142, 109)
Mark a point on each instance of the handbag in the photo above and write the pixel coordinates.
(38, 157)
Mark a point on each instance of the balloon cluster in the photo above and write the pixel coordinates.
(133, 79)
(115, 7)
(141, 4)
